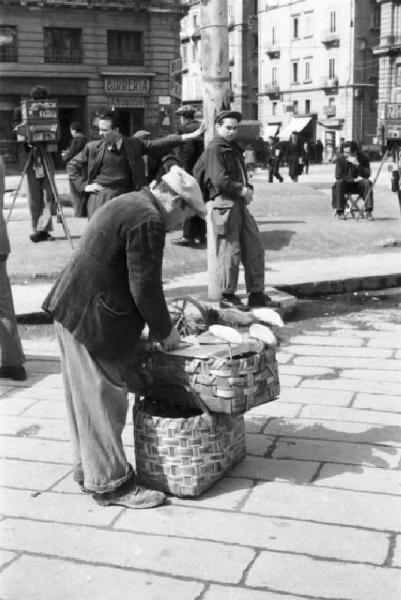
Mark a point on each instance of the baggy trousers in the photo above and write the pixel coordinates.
(97, 404)
(237, 240)
(40, 198)
(341, 188)
(11, 354)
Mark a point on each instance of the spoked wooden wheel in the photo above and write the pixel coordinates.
(189, 315)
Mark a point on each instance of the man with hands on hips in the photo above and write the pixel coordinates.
(114, 165)
(352, 176)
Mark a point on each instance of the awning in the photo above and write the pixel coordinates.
(269, 131)
(296, 124)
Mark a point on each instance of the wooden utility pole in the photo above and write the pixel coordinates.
(216, 97)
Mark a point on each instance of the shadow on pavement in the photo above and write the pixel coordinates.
(276, 239)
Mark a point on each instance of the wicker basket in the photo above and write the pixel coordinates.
(185, 455)
(226, 385)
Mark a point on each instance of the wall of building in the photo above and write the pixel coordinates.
(84, 90)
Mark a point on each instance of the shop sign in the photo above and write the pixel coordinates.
(127, 85)
(127, 101)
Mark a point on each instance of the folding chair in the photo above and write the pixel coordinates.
(354, 206)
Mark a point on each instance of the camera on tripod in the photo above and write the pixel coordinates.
(40, 123)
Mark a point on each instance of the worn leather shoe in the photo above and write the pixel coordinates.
(16, 373)
(131, 495)
(182, 242)
(232, 301)
(41, 236)
(262, 300)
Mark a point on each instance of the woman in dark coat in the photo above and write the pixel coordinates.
(294, 156)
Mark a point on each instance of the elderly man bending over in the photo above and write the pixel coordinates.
(110, 288)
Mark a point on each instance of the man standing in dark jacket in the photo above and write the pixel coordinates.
(101, 301)
(188, 153)
(114, 165)
(352, 176)
(237, 235)
(78, 143)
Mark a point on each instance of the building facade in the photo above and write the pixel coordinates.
(243, 55)
(317, 71)
(389, 54)
(90, 55)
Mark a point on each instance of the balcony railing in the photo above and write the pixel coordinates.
(389, 44)
(329, 82)
(272, 90)
(330, 39)
(273, 52)
(53, 55)
(125, 58)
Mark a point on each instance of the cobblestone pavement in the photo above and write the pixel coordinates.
(313, 511)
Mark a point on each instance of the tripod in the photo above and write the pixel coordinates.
(50, 175)
(396, 145)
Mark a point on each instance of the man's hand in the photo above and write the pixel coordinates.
(195, 134)
(353, 160)
(247, 194)
(94, 188)
(172, 341)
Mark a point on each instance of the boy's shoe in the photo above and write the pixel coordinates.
(340, 216)
(41, 236)
(232, 301)
(369, 216)
(262, 300)
(131, 495)
(16, 373)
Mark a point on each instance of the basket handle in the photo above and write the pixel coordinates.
(197, 399)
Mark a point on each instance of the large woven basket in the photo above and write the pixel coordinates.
(226, 385)
(184, 456)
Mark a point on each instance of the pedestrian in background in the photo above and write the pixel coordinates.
(78, 142)
(306, 156)
(11, 354)
(319, 151)
(294, 156)
(237, 235)
(273, 159)
(250, 160)
(188, 153)
(111, 287)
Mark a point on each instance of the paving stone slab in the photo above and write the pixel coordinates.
(14, 406)
(396, 562)
(324, 505)
(385, 342)
(6, 557)
(347, 431)
(39, 393)
(354, 385)
(34, 427)
(275, 409)
(364, 479)
(42, 366)
(373, 375)
(351, 414)
(374, 365)
(258, 444)
(335, 351)
(228, 493)
(338, 452)
(372, 402)
(255, 467)
(289, 380)
(329, 541)
(49, 578)
(63, 508)
(54, 409)
(305, 371)
(306, 395)
(325, 340)
(31, 449)
(30, 475)
(218, 592)
(172, 556)
(324, 579)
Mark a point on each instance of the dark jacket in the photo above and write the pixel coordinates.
(348, 172)
(112, 285)
(93, 153)
(225, 171)
(77, 144)
(189, 152)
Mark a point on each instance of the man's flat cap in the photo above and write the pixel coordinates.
(228, 114)
(186, 110)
